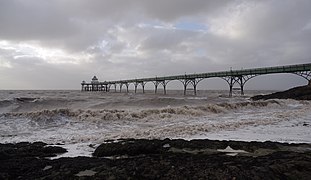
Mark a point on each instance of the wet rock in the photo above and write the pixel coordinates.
(298, 93)
(26, 149)
(154, 159)
(130, 147)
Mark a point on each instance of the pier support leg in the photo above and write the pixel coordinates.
(185, 88)
(143, 88)
(155, 88)
(242, 85)
(242, 90)
(231, 86)
(230, 91)
(135, 87)
(194, 83)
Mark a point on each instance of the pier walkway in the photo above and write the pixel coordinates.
(232, 77)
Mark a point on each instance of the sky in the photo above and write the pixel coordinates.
(55, 44)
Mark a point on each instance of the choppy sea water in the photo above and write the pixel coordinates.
(81, 120)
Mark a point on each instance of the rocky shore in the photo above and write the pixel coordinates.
(160, 159)
(297, 93)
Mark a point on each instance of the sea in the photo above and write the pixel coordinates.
(80, 121)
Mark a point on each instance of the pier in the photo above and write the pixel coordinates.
(190, 81)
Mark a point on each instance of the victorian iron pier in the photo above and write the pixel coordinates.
(232, 77)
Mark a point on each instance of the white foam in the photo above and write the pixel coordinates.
(77, 149)
(231, 152)
(76, 126)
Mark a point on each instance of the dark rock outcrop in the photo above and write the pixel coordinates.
(161, 159)
(26, 149)
(133, 147)
(298, 93)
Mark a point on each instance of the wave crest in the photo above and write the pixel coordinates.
(160, 113)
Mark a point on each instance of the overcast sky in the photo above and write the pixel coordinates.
(55, 44)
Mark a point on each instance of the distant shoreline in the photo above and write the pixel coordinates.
(297, 93)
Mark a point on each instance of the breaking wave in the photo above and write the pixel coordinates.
(19, 99)
(160, 113)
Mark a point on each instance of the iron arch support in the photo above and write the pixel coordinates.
(108, 87)
(193, 81)
(129, 85)
(137, 83)
(121, 87)
(126, 85)
(160, 82)
(143, 86)
(305, 74)
(240, 80)
(185, 83)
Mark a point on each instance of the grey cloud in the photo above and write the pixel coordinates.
(41, 77)
(278, 20)
(35, 19)
(175, 9)
(160, 39)
(30, 20)
(161, 9)
(272, 33)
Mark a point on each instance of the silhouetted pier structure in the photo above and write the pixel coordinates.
(94, 85)
(232, 77)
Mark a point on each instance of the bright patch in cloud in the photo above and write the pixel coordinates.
(5, 64)
(191, 26)
(229, 23)
(156, 25)
(48, 55)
